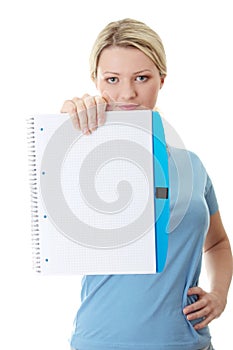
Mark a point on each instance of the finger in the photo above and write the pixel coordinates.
(70, 107)
(198, 314)
(101, 105)
(75, 120)
(196, 290)
(91, 110)
(82, 115)
(204, 322)
(198, 305)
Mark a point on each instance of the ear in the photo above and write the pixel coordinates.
(94, 80)
(162, 79)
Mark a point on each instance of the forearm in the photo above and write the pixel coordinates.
(218, 260)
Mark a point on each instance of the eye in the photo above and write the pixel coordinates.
(112, 80)
(141, 78)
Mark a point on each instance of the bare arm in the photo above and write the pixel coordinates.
(218, 258)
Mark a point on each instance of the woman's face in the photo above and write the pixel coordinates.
(127, 75)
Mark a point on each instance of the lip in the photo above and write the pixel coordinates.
(128, 107)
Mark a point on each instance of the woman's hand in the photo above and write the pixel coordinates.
(208, 306)
(87, 113)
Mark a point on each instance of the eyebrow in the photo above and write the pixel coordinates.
(139, 72)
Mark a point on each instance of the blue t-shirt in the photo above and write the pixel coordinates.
(144, 312)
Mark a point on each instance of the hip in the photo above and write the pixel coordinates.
(209, 347)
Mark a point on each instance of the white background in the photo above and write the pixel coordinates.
(44, 60)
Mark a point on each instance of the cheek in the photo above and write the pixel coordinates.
(104, 87)
(98, 85)
(150, 96)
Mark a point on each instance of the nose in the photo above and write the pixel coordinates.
(127, 91)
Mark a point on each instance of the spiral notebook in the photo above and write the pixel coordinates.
(100, 203)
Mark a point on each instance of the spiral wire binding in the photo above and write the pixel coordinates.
(33, 182)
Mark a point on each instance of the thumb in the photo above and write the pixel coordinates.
(111, 103)
(107, 97)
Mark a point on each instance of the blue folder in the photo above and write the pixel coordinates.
(161, 186)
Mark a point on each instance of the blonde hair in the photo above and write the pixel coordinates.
(125, 33)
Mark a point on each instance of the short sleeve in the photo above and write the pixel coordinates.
(210, 197)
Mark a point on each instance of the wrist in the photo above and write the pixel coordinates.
(220, 294)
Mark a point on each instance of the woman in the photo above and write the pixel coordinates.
(167, 310)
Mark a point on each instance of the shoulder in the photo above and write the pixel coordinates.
(187, 165)
(181, 154)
